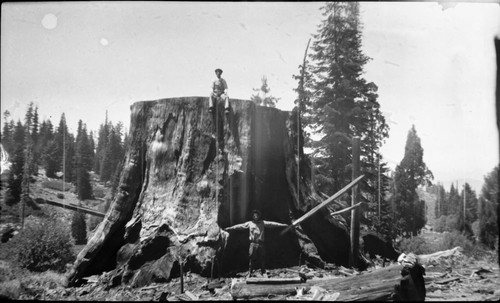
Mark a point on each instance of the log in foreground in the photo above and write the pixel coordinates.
(389, 283)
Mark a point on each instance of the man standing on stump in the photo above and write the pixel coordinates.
(256, 228)
(219, 91)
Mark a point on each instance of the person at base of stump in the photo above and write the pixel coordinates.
(256, 228)
(219, 91)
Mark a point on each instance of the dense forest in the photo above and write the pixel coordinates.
(35, 147)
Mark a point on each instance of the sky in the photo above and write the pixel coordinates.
(434, 65)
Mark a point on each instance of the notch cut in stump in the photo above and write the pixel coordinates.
(385, 284)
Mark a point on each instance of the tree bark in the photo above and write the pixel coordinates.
(177, 192)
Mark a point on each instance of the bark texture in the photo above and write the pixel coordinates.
(187, 174)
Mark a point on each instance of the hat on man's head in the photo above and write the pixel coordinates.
(218, 70)
(256, 211)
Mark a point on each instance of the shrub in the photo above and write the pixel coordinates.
(416, 245)
(439, 224)
(99, 192)
(44, 244)
(446, 223)
(47, 280)
(454, 239)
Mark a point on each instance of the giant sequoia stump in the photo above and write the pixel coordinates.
(187, 174)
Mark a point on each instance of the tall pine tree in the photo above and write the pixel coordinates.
(7, 133)
(83, 163)
(102, 142)
(17, 157)
(339, 102)
(65, 149)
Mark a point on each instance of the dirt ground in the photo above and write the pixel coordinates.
(457, 278)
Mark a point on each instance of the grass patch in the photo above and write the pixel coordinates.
(420, 245)
(47, 280)
(10, 289)
(6, 272)
(56, 185)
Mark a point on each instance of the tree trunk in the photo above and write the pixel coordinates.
(177, 192)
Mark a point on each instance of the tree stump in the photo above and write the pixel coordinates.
(187, 174)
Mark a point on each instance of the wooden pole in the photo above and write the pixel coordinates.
(464, 206)
(301, 95)
(354, 197)
(378, 192)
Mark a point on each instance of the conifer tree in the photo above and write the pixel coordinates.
(91, 150)
(261, 95)
(18, 157)
(79, 228)
(468, 196)
(441, 206)
(26, 179)
(34, 136)
(51, 158)
(31, 136)
(339, 103)
(411, 173)
(488, 209)
(101, 145)
(46, 134)
(112, 154)
(83, 163)
(453, 201)
(7, 133)
(66, 150)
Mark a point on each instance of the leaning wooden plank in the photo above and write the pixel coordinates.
(327, 201)
(375, 285)
(331, 214)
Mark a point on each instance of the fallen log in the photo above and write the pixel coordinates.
(426, 259)
(446, 281)
(386, 283)
(291, 280)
